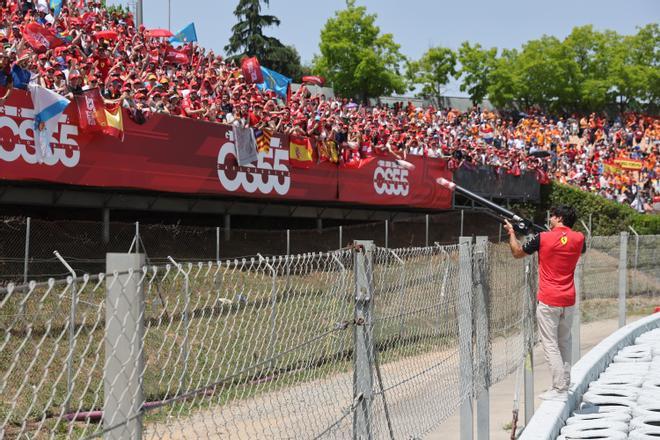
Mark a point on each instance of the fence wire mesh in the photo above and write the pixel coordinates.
(27, 245)
(266, 346)
(416, 339)
(601, 269)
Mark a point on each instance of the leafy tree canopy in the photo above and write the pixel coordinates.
(248, 39)
(356, 59)
(432, 71)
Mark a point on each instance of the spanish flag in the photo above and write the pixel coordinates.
(115, 121)
(300, 152)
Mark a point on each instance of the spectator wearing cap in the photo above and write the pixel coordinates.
(6, 78)
(192, 106)
(102, 61)
(75, 84)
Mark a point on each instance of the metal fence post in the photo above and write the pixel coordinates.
(577, 317)
(124, 336)
(530, 300)
(633, 278)
(27, 252)
(462, 222)
(623, 277)
(137, 237)
(465, 336)
(217, 243)
(106, 225)
(483, 349)
(426, 241)
(362, 339)
(288, 260)
(72, 330)
(341, 238)
(387, 236)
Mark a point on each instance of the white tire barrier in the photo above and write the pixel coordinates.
(620, 416)
(607, 434)
(646, 410)
(645, 434)
(645, 422)
(594, 426)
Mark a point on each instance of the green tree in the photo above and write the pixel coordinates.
(356, 59)
(477, 65)
(248, 39)
(504, 80)
(286, 60)
(432, 71)
(635, 70)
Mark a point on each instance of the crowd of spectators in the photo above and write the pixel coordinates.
(105, 49)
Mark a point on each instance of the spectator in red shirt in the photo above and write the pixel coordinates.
(559, 251)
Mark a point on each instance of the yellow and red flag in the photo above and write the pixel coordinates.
(115, 122)
(328, 151)
(300, 152)
(263, 137)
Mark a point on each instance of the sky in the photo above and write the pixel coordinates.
(416, 25)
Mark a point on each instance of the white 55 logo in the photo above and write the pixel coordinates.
(271, 172)
(14, 142)
(391, 179)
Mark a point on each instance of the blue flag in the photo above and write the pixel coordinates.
(185, 35)
(276, 82)
(56, 6)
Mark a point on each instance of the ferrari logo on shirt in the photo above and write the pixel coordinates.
(563, 240)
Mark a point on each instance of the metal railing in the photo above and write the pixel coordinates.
(362, 342)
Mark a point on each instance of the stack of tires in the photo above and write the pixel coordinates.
(624, 403)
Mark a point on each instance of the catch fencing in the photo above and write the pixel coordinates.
(362, 342)
(27, 244)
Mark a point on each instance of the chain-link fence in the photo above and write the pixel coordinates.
(27, 245)
(637, 257)
(364, 341)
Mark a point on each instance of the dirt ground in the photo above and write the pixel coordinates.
(310, 407)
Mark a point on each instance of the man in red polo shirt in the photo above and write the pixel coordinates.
(559, 251)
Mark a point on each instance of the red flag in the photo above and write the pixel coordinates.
(177, 57)
(316, 80)
(252, 70)
(88, 18)
(357, 163)
(91, 110)
(41, 38)
(106, 35)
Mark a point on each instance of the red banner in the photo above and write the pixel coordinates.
(91, 110)
(251, 70)
(182, 155)
(384, 182)
(176, 56)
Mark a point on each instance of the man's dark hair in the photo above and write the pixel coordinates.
(566, 213)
